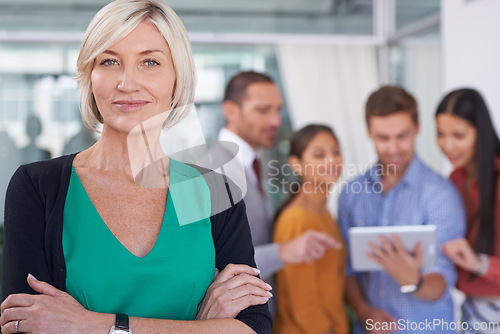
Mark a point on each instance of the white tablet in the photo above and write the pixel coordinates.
(410, 236)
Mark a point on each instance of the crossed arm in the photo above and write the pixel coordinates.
(55, 311)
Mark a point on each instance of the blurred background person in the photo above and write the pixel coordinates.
(252, 110)
(466, 135)
(400, 190)
(81, 141)
(310, 295)
(32, 152)
(10, 159)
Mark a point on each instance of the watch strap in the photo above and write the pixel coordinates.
(419, 284)
(121, 321)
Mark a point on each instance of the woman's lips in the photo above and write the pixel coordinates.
(131, 105)
(452, 156)
(455, 160)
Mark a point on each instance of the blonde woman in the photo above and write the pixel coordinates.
(102, 253)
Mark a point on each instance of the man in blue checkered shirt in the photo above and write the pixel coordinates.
(400, 190)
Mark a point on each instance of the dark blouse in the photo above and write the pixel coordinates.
(33, 228)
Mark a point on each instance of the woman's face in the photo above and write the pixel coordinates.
(457, 139)
(134, 79)
(321, 161)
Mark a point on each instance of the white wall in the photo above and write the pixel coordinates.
(471, 48)
(471, 57)
(423, 80)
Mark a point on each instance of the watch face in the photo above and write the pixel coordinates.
(408, 288)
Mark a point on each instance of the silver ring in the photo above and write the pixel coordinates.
(17, 325)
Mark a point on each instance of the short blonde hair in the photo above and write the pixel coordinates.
(113, 23)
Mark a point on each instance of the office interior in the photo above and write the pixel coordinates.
(326, 56)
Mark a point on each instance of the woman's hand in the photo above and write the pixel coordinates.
(232, 291)
(307, 247)
(462, 254)
(53, 311)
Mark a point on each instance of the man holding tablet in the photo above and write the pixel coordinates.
(404, 296)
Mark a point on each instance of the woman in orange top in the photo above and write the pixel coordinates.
(310, 296)
(467, 137)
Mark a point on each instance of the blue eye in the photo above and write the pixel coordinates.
(151, 63)
(109, 62)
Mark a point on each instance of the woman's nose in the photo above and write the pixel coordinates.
(128, 81)
(447, 145)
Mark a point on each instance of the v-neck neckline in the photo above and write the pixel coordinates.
(168, 206)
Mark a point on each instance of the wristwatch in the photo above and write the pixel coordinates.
(485, 264)
(121, 325)
(409, 288)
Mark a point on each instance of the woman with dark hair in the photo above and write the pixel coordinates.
(466, 135)
(310, 295)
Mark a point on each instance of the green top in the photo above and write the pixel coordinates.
(167, 283)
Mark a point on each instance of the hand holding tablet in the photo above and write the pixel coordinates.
(373, 248)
